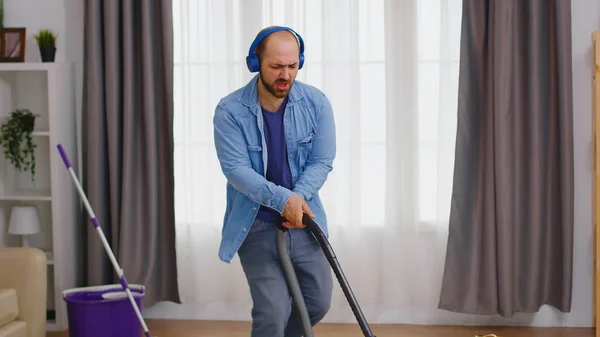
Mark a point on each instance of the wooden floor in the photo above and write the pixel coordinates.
(181, 328)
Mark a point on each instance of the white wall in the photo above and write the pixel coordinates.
(66, 18)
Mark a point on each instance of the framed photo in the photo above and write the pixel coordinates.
(12, 45)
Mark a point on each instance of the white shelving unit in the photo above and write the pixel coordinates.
(47, 89)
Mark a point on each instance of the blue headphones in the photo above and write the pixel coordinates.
(252, 60)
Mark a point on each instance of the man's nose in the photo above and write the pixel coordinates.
(285, 74)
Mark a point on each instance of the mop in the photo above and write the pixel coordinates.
(111, 256)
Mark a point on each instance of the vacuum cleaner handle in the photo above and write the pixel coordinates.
(337, 269)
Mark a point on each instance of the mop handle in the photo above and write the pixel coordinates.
(107, 248)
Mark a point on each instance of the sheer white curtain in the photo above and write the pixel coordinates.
(390, 69)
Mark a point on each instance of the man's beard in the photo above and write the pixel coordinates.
(273, 88)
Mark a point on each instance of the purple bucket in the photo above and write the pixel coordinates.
(103, 311)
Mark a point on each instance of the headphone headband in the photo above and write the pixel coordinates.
(252, 60)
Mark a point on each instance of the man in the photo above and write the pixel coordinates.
(275, 140)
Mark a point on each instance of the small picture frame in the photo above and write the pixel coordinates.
(12, 44)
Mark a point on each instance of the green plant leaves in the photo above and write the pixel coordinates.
(1, 13)
(16, 139)
(46, 38)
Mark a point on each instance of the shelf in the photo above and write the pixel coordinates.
(31, 66)
(18, 186)
(27, 195)
(48, 90)
(25, 90)
(42, 240)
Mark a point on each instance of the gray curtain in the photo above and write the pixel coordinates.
(128, 143)
(510, 244)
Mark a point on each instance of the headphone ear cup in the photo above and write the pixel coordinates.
(253, 63)
(301, 58)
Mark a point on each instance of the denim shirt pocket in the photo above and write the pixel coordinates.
(255, 154)
(304, 148)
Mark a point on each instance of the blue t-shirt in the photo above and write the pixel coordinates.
(278, 168)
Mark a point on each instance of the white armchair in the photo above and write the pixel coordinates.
(23, 292)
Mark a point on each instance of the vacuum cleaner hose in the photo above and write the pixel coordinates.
(292, 281)
(290, 275)
(337, 269)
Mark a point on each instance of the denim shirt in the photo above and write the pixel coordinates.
(242, 153)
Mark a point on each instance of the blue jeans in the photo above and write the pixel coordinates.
(273, 314)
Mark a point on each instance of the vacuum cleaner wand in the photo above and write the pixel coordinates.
(337, 269)
(115, 264)
(292, 281)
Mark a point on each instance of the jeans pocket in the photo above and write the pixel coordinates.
(260, 226)
(259, 235)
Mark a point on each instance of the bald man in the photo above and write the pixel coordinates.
(275, 141)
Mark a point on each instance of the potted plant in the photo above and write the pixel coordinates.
(1, 14)
(46, 41)
(16, 139)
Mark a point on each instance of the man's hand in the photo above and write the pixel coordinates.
(294, 211)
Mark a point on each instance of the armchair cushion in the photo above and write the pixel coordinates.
(14, 329)
(9, 309)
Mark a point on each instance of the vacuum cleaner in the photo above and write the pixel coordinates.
(294, 286)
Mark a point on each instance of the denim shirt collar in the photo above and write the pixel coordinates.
(249, 95)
